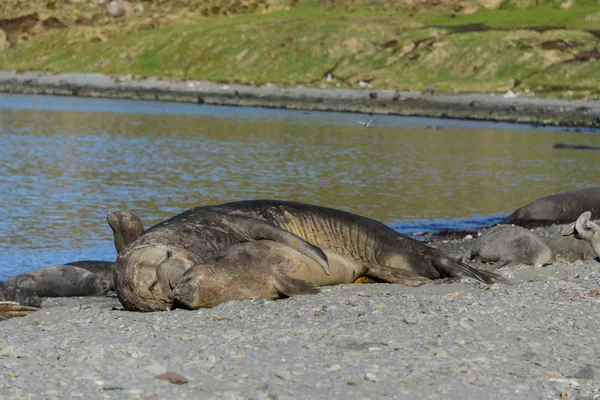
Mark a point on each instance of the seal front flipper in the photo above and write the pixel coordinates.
(394, 275)
(258, 229)
(286, 286)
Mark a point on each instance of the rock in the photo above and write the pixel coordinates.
(173, 377)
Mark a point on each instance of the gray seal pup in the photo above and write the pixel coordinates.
(60, 281)
(557, 208)
(579, 240)
(22, 296)
(507, 245)
(271, 270)
(148, 269)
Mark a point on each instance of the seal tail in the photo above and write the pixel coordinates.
(450, 268)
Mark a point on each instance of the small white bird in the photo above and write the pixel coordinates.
(367, 124)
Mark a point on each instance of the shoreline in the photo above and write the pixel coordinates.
(481, 107)
(531, 339)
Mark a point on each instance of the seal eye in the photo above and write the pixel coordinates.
(169, 254)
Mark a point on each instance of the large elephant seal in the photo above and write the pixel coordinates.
(359, 237)
(60, 281)
(271, 270)
(507, 245)
(148, 269)
(126, 227)
(579, 240)
(557, 208)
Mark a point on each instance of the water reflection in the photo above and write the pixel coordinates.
(67, 162)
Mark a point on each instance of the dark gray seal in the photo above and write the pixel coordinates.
(563, 207)
(271, 270)
(60, 281)
(506, 245)
(148, 269)
(22, 296)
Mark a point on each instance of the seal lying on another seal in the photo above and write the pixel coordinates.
(271, 270)
(579, 240)
(148, 269)
(557, 208)
(60, 281)
(126, 227)
(359, 237)
(508, 245)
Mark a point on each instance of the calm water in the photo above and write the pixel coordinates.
(66, 162)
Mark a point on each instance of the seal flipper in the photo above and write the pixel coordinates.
(394, 275)
(450, 268)
(258, 229)
(286, 286)
(10, 309)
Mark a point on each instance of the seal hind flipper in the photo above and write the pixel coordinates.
(10, 309)
(258, 229)
(286, 286)
(394, 275)
(450, 268)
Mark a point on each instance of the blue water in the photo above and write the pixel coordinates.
(67, 162)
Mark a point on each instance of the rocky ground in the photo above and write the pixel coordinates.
(535, 339)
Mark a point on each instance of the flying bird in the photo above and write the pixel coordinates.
(367, 124)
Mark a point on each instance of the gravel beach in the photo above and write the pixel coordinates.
(535, 339)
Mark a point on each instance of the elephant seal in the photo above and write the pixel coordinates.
(102, 269)
(557, 208)
(359, 237)
(579, 240)
(60, 281)
(22, 296)
(126, 227)
(271, 270)
(508, 245)
(148, 269)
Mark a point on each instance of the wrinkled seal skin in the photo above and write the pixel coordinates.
(359, 237)
(267, 269)
(557, 208)
(60, 281)
(508, 245)
(148, 269)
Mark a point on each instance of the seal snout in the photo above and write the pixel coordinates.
(186, 290)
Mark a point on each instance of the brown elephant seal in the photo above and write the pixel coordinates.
(60, 281)
(148, 269)
(507, 245)
(271, 270)
(579, 240)
(126, 227)
(359, 237)
(557, 208)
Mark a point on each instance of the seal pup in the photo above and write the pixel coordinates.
(271, 270)
(60, 281)
(507, 245)
(148, 269)
(579, 240)
(557, 208)
(22, 296)
(361, 238)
